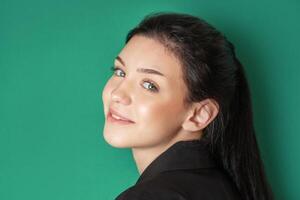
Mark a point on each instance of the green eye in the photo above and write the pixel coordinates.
(151, 86)
(115, 69)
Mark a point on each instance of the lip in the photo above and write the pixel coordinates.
(123, 118)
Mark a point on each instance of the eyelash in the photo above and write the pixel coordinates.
(151, 83)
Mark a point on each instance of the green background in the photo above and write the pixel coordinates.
(54, 62)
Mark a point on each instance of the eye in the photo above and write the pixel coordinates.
(149, 84)
(115, 70)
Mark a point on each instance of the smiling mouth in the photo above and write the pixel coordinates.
(116, 119)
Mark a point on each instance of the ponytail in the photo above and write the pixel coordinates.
(235, 146)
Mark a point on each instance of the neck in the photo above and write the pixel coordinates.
(143, 156)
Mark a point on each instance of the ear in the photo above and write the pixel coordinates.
(200, 115)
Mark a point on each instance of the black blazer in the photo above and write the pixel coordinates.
(185, 171)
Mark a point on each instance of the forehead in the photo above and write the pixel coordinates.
(141, 51)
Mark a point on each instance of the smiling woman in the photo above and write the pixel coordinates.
(179, 98)
(139, 91)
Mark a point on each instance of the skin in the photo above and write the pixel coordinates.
(160, 118)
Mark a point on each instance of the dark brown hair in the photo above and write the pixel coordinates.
(212, 70)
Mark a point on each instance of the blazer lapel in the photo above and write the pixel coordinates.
(190, 154)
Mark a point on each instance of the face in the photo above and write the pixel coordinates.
(153, 102)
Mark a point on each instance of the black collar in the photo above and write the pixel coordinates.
(188, 154)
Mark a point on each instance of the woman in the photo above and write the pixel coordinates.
(180, 100)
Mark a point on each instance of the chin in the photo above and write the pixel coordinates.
(115, 141)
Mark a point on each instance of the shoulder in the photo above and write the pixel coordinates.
(152, 189)
(187, 180)
(183, 185)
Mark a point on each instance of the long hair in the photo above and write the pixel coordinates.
(212, 70)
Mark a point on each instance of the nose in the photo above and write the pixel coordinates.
(121, 94)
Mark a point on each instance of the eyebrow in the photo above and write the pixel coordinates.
(143, 70)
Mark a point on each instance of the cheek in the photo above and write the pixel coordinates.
(157, 122)
(159, 114)
(149, 111)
